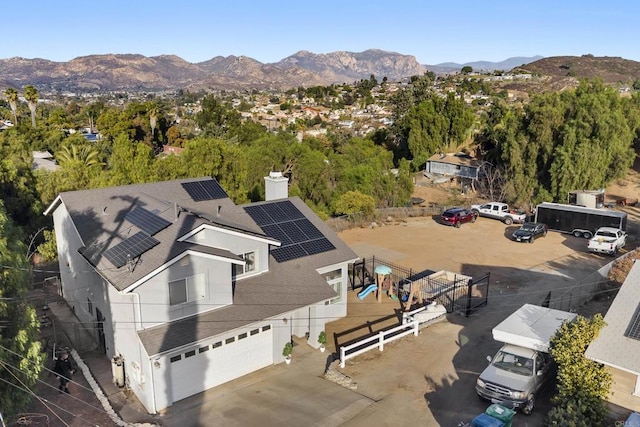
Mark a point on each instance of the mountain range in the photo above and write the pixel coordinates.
(133, 72)
(115, 72)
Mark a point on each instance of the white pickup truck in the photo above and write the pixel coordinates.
(499, 211)
(607, 240)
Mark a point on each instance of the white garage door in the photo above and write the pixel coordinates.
(217, 362)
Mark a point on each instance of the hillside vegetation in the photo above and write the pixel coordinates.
(569, 69)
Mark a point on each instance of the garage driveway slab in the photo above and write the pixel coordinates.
(280, 395)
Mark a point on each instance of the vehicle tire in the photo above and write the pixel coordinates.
(508, 220)
(614, 252)
(544, 234)
(586, 235)
(576, 233)
(532, 239)
(458, 224)
(476, 212)
(527, 409)
(475, 217)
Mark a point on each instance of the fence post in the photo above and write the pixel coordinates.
(415, 328)
(342, 356)
(381, 340)
(468, 308)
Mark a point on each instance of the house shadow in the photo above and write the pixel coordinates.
(451, 397)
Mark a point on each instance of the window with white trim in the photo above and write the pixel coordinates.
(250, 264)
(187, 290)
(334, 278)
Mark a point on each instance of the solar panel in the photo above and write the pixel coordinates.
(634, 326)
(196, 191)
(294, 233)
(146, 220)
(284, 222)
(130, 248)
(213, 188)
(309, 229)
(318, 246)
(204, 190)
(289, 210)
(275, 231)
(287, 253)
(259, 215)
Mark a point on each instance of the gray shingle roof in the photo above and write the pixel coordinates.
(612, 347)
(99, 218)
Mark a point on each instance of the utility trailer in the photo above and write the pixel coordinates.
(578, 220)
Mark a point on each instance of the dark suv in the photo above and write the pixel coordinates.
(458, 216)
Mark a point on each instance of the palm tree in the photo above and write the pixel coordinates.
(153, 121)
(12, 97)
(87, 155)
(31, 95)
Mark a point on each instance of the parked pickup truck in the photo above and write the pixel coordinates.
(607, 240)
(500, 211)
(523, 365)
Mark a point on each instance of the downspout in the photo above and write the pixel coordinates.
(137, 314)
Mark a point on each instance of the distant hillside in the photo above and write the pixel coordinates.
(507, 64)
(168, 72)
(131, 72)
(613, 70)
(344, 67)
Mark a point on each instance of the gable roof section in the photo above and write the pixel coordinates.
(614, 347)
(283, 289)
(107, 217)
(288, 286)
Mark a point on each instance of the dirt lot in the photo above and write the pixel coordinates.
(430, 379)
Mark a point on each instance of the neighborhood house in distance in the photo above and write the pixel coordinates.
(190, 290)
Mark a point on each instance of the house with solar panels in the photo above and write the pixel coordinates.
(618, 345)
(190, 290)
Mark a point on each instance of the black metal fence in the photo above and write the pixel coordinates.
(457, 292)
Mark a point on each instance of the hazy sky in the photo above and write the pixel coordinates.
(432, 31)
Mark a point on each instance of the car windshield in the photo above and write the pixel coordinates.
(513, 363)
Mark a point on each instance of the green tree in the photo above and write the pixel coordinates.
(353, 202)
(48, 249)
(466, 69)
(12, 98)
(86, 154)
(31, 95)
(582, 383)
(437, 124)
(130, 162)
(21, 358)
(17, 180)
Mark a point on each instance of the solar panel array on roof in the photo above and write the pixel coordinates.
(634, 325)
(284, 222)
(207, 189)
(130, 248)
(146, 220)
